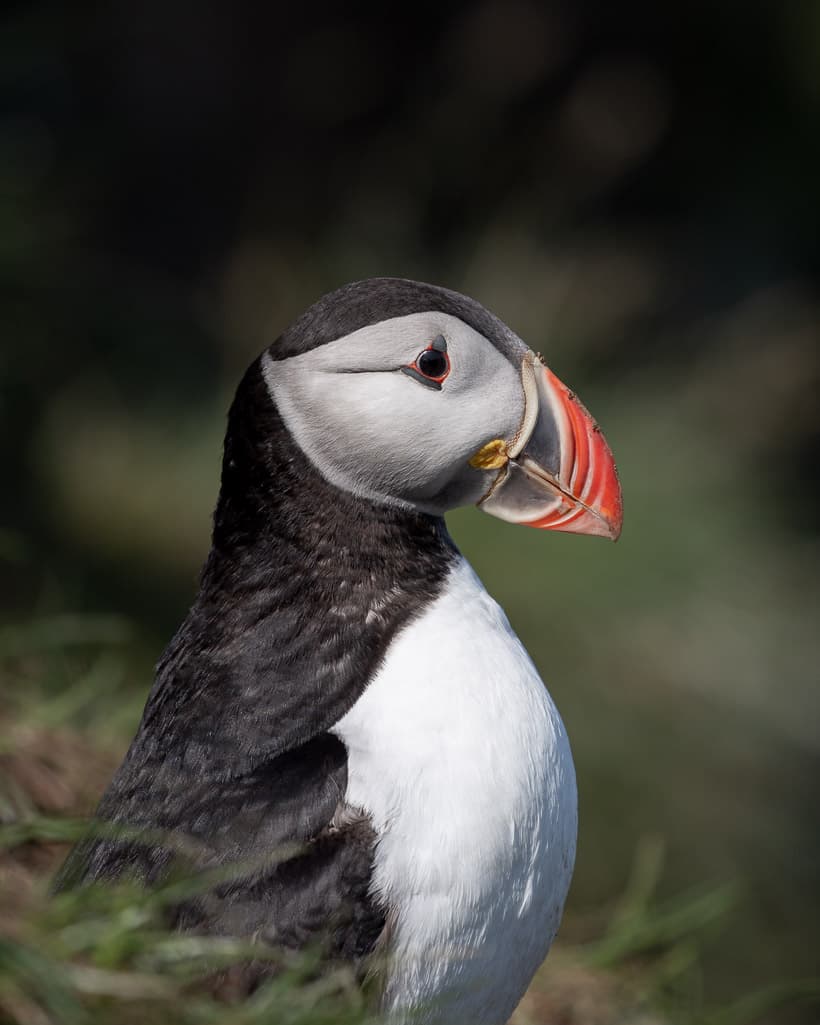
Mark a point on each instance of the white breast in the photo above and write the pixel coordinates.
(461, 759)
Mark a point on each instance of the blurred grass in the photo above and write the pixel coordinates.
(103, 954)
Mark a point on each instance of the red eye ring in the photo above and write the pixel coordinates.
(433, 364)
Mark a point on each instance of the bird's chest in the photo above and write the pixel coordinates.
(459, 756)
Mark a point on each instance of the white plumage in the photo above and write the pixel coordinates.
(459, 755)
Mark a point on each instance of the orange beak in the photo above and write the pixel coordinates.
(558, 473)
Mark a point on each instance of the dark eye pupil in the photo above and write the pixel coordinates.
(432, 363)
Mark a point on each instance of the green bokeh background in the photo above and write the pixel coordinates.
(634, 190)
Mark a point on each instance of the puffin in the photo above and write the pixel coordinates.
(345, 738)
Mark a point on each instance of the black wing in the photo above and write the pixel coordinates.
(291, 864)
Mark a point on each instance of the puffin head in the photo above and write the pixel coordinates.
(408, 394)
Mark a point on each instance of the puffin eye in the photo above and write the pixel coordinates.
(433, 364)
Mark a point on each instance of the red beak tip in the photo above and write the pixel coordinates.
(612, 510)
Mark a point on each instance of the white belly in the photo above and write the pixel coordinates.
(461, 759)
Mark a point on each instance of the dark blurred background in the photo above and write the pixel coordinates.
(633, 188)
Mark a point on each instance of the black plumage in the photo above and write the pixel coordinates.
(304, 587)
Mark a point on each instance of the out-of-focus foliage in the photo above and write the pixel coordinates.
(634, 190)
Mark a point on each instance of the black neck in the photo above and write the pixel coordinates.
(272, 499)
(303, 590)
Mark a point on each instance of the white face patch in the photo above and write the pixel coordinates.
(376, 432)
